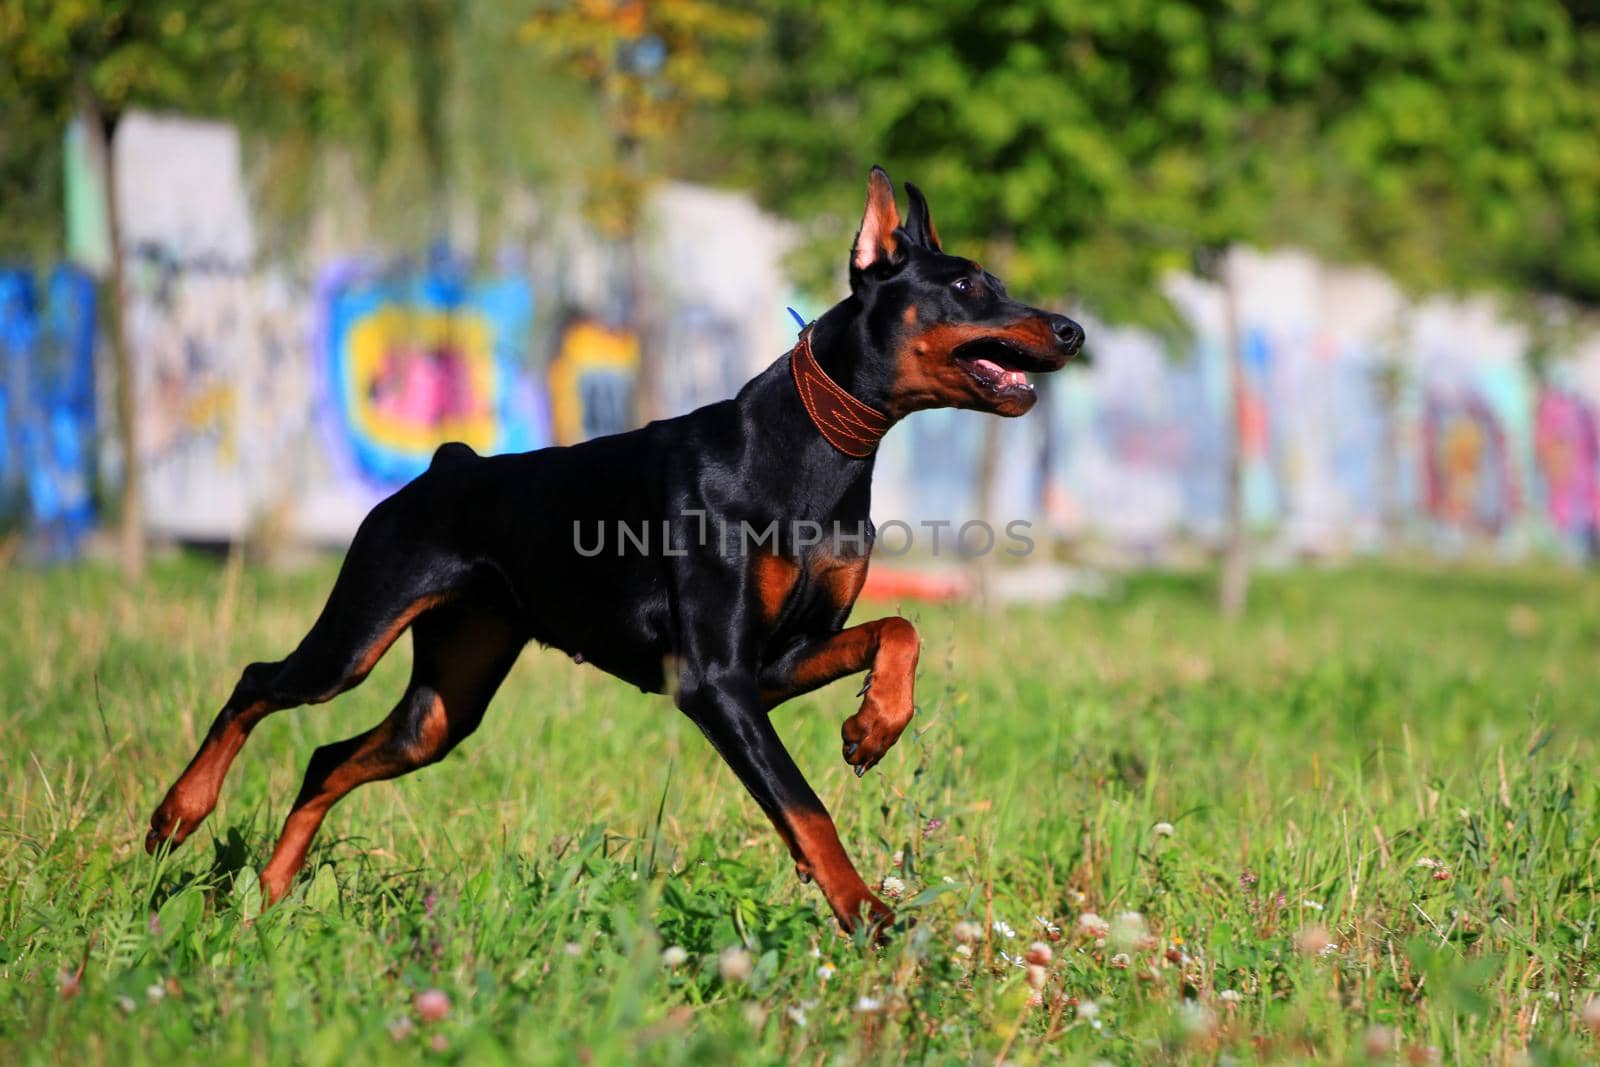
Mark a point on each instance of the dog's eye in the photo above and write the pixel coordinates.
(962, 285)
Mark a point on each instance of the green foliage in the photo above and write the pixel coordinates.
(1095, 145)
(1379, 785)
(645, 64)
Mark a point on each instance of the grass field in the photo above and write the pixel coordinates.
(1384, 840)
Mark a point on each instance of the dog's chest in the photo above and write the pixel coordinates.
(807, 595)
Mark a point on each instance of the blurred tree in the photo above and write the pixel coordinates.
(95, 59)
(371, 79)
(1106, 144)
(647, 64)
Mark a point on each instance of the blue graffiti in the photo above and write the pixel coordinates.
(47, 416)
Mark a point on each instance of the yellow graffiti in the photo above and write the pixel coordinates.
(586, 346)
(1462, 453)
(372, 343)
(216, 407)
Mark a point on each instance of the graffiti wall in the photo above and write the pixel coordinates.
(411, 360)
(261, 402)
(1567, 458)
(47, 408)
(1363, 416)
(267, 401)
(221, 383)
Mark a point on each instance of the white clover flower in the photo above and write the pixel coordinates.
(1128, 929)
(893, 888)
(1312, 941)
(1162, 829)
(967, 931)
(1088, 1009)
(1091, 925)
(1120, 961)
(1196, 1018)
(734, 964)
(674, 956)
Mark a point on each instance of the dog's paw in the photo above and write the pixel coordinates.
(871, 732)
(171, 824)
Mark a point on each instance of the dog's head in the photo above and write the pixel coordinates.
(946, 331)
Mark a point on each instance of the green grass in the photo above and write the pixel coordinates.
(1358, 723)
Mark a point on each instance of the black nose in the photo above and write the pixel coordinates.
(1069, 333)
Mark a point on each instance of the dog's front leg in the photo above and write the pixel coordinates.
(888, 649)
(724, 704)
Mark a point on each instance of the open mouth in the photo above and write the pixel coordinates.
(1000, 367)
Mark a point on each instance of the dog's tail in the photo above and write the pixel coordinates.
(451, 454)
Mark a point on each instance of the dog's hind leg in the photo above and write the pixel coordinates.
(372, 602)
(462, 653)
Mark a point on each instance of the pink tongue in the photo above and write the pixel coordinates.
(1003, 376)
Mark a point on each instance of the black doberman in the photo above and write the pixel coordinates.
(715, 556)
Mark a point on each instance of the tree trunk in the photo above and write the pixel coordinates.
(988, 475)
(1234, 586)
(647, 399)
(1390, 526)
(131, 548)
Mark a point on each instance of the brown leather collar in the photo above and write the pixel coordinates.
(847, 424)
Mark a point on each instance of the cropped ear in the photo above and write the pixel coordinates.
(919, 223)
(876, 241)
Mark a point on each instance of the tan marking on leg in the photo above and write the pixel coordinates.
(815, 841)
(845, 653)
(375, 651)
(380, 755)
(194, 795)
(460, 662)
(890, 700)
